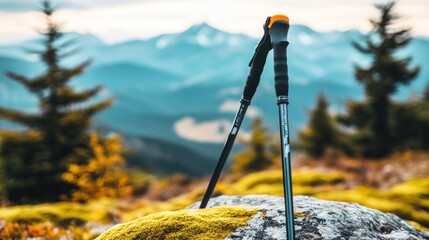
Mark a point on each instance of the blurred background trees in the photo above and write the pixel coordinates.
(259, 152)
(322, 132)
(372, 119)
(35, 159)
(377, 126)
(55, 157)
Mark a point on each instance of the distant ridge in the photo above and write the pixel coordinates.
(158, 82)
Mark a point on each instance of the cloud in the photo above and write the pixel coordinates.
(232, 106)
(117, 20)
(209, 132)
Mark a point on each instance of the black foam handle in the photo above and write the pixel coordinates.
(278, 33)
(254, 76)
(256, 65)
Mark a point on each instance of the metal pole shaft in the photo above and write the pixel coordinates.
(225, 152)
(286, 166)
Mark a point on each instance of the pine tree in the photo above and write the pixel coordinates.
(426, 93)
(321, 132)
(410, 123)
(424, 114)
(34, 165)
(258, 154)
(380, 80)
(2, 180)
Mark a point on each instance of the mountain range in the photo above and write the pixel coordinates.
(181, 91)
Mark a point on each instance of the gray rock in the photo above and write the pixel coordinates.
(317, 219)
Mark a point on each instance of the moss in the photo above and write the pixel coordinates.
(211, 223)
(407, 200)
(253, 180)
(306, 182)
(416, 225)
(415, 191)
(60, 213)
(316, 178)
(147, 208)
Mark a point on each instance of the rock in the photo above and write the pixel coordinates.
(316, 219)
(262, 217)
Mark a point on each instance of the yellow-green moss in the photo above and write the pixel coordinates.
(60, 213)
(271, 182)
(417, 225)
(407, 200)
(316, 178)
(211, 223)
(175, 204)
(305, 182)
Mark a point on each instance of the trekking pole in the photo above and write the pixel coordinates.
(278, 29)
(256, 67)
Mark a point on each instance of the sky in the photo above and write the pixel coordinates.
(118, 20)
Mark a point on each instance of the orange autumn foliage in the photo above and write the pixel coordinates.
(103, 174)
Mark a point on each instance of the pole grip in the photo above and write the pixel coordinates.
(256, 65)
(278, 30)
(254, 76)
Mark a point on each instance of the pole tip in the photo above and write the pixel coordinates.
(276, 18)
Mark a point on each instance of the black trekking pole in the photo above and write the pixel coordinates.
(256, 67)
(278, 29)
(275, 37)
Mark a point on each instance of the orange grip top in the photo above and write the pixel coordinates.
(276, 18)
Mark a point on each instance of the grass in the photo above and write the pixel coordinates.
(211, 223)
(62, 213)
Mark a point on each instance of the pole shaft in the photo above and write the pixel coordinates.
(256, 67)
(225, 153)
(286, 167)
